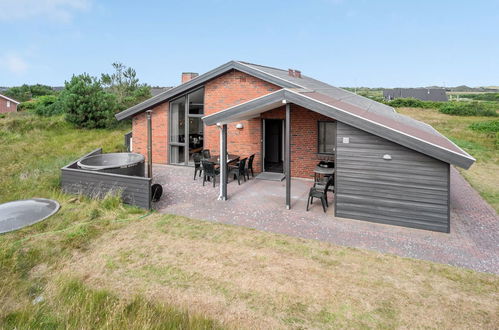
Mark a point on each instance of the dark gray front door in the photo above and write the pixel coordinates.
(273, 142)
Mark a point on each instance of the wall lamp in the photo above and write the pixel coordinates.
(239, 126)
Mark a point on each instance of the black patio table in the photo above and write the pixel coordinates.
(216, 159)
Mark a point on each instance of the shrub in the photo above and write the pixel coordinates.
(491, 126)
(482, 97)
(468, 109)
(86, 104)
(27, 92)
(414, 103)
(47, 105)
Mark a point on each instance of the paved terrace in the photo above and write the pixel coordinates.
(473, 241)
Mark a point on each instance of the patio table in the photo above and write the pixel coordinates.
(322, 171)
(216, 159)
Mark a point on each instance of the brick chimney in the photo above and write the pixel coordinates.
(297, 74)
(291, 73)
(186, 76)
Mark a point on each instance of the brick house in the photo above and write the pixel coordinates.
(7, 104)
(389, 168)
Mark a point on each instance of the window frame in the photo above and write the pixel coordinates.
(319, 122)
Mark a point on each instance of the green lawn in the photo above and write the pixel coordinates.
(100, 264)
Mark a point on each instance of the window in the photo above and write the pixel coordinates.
(186, 127)
(327, 137)
(8, 104)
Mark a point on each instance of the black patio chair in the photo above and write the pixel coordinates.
(206, 153)
(196, 157)
(319, 190)
(209, 171)
(249, 168)
(238, 170)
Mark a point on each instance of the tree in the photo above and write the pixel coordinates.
(87, 104)
(27, 92)
(124, 84)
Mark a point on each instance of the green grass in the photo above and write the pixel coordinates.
(33, 151)
(75, 306)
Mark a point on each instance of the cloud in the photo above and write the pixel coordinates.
(14, 63)
(56, 10)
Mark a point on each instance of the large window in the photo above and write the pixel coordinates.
(327, 137)
(186, 127)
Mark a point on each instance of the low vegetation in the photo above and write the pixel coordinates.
(85, 101)
(488, 109)
(100, 264)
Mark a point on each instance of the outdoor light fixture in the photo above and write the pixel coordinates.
(387, 157)
(239, 126)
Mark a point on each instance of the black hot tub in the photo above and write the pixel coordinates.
(119, 163)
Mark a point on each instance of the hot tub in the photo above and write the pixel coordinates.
(119, 163)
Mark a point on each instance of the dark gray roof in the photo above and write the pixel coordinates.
(158, 90)
(353, 109)
(424, 94)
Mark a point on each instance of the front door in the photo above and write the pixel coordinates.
(273, 156)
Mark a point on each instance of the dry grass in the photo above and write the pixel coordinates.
(250, 279)
(483, 175)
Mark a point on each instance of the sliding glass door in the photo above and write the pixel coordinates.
(186, 127)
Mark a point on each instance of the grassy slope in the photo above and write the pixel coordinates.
(483, 175)
(94, 262)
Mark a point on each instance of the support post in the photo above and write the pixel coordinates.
(287, 156)
(223, 163)
(149, 144)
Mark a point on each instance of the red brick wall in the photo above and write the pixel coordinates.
(4, 108)
(304, 133)
(228, 90)
(159, 134)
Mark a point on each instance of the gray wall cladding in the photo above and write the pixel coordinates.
(134, 190)
(410, 190)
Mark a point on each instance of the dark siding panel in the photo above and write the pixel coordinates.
(410, 190)
(134, 190)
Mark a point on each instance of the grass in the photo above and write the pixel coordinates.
(100, 264)
(468, 133)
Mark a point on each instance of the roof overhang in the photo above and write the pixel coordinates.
(199, 80)
(255, 107)
(9, 99)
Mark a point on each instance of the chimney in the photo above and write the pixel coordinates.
(186, 76)
(297, 74)
(291, 73)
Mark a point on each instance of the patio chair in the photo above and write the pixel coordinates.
(249, 168)
(319, 190)
(210, 171)
(196, 157)
(238, 170)
(206, 153)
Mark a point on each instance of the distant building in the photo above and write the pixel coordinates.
(423, 94)
(7, 104)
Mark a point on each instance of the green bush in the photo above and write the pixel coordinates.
(86, 104)
(47, 105)
(414, 103)
(468, 109)
(491, 126)
(482, 97)
(26, 106)
(27, 92)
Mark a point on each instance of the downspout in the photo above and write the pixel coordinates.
(149, 144)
